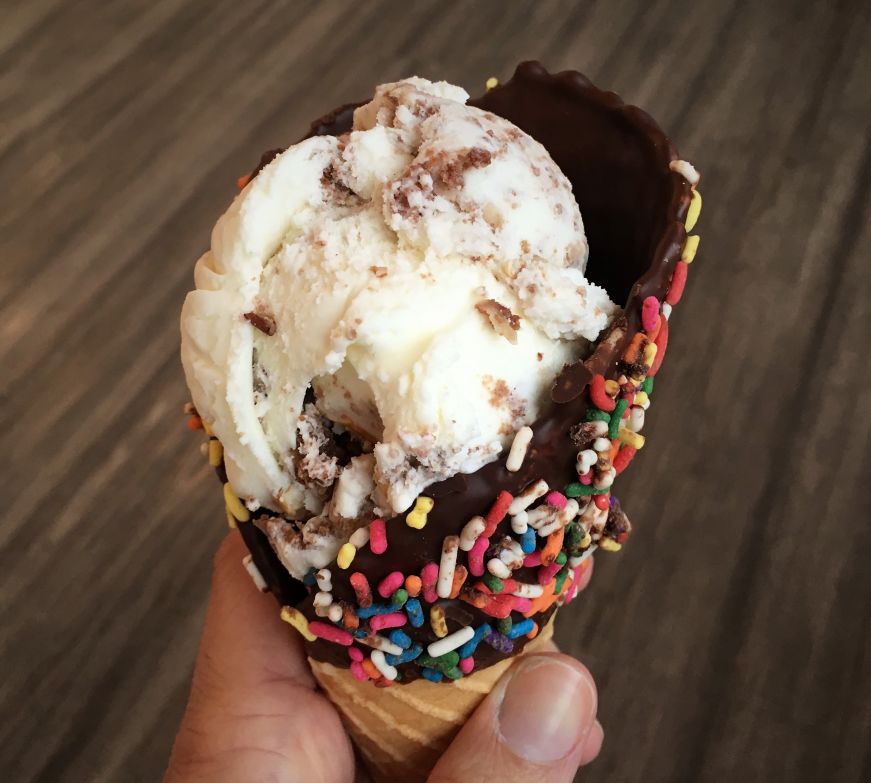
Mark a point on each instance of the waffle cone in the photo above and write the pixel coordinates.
(402, 731)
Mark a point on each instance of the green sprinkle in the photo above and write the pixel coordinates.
(616, 418)
(561, 558)
(504, 625)
(647, 386)
(399, 597)
(453, 673)
(560, 579)
(447, 661)
(574, 536)
(493, 582)
(578, 490)
(594, 414)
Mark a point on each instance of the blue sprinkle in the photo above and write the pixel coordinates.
(432, 675)
(309, 579)
(371, 611)
(360, 633)
(414, 612)
(527, 542)
(400, 637)
(468, 649)
(408, 655)
(521, 629)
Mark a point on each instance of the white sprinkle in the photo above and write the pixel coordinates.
(529, 495)
(380, 643)
(204, 448)
(447, 566)
(519, 522)
(540, 516)
(666, 310)
(686, 170)
(512, 554)
(470, 532)
(599, 428)
(601, 444)
(324, 579)
(519, 446)
(322, 599)
(586, 459)
(569, 512)
(496, 567)
(335, 613)
(360, 537)
(635, 422)
(575, 561)
(451, 642)
(525, 590)
(254, 573)
(551, 527)
(381, 664)
(605, 479)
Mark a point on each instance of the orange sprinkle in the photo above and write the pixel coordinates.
(371, 669)
(552, 547)
(534, 632)
(195, 423)
(544, 601)
(615, 447)
(634, 348)
(243, 181)
(349, 617)
(413, 585)
(460, 575)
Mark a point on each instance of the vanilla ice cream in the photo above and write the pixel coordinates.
(382, 310)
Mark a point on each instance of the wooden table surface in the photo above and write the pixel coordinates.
(730, 639)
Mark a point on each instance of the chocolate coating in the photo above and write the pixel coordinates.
(633, 207)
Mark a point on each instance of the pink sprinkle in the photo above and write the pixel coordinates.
(391, 583)
(378, 536)
(359, 672)
(556, 499)
(521, 605)
(532, 560)
(331, 633)
(586, 478)
(649, 312)
(509, 585)
(355, 654)
(428, 577)
(476, 556)
(547, 573)
(392, 620)
(467, 664)
(497, 513)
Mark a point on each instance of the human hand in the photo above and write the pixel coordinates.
(254, 712)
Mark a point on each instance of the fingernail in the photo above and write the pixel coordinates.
(547, 710)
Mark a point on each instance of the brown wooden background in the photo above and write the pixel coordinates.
(730, 641)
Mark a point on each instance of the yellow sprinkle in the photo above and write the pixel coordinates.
(612, 388)
(438, 622)
(417, 516)
(346, 555)
(235, 506)
(587, 540)
(609, 545)
(694, 210)
(631, 438)
(216, 453)
(231, 521)
(650, 353)
(641, 398)
(491, 82)
(207, 428)
(690, 248)
(298, 621)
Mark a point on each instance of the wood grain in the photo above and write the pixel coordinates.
(729, 640)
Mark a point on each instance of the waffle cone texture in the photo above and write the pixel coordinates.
(402, 731)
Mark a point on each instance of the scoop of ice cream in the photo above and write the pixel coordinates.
(411, 288)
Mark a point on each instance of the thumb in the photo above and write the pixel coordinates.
(538, 723)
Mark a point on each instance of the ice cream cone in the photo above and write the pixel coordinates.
(402, 731)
